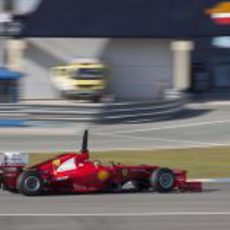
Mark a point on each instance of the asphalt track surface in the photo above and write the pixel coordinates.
(207, 210)
(197, 126)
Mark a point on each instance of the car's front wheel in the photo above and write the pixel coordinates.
(29, 183)
(163, 180)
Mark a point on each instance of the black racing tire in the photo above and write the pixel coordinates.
(141, 185)
(163, 180)
(29, 183)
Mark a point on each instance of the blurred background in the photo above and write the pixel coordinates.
(140, 75)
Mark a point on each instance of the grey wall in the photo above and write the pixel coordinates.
(140, 68)
(36, 83)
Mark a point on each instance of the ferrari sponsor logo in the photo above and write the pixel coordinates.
(62, 178)
(56, 162)
(80, 187)
(220, 13)
(139, 170)
(103, 175)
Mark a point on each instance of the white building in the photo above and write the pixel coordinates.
(139, 68)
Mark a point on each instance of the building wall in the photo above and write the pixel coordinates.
(36, 83)
(139, 68)
(214, 65)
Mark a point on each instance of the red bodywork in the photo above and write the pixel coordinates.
(73, 172)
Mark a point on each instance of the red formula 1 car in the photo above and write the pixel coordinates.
(71, 172)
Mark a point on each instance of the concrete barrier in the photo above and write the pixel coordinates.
(101, 112)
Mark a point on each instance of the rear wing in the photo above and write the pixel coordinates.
(13, 159)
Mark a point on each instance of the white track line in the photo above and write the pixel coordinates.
(211, 180)
(173, 126)
(140, 214)
(194, 143)
(156, 147)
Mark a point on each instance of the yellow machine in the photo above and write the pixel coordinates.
(82, 78)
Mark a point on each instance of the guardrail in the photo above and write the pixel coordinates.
(102, 112)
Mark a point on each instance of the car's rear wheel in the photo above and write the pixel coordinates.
(163, 180)
(29, 183)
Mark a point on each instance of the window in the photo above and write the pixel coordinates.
(89, 73)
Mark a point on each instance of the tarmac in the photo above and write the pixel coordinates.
(201, 125)
(209, 209)
(171, 222)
